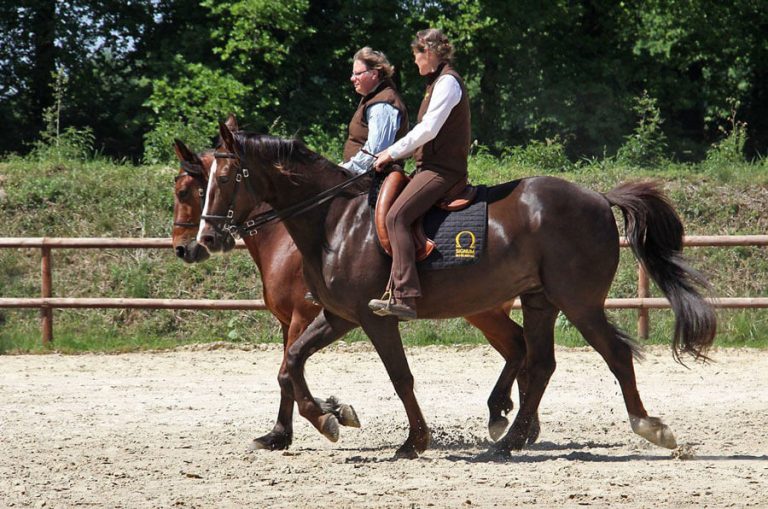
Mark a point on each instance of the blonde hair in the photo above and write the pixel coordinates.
(375, 60)
(436, 41)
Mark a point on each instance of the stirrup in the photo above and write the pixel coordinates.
(381, 306)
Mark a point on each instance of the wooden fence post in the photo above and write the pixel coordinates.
(642, 292)
(46, 313)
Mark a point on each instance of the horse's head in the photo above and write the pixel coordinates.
(189, 189)
(224, 205)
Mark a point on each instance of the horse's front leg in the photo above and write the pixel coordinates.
(385, 336)
(281, 436)
(323, 331)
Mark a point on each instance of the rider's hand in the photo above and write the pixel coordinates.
(382, 160)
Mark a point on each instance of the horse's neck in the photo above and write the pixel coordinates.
(314, 230)
(315, 180)
(318, 231)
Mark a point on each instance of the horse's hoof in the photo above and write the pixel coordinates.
(329, 427)
(348, 416)
(406, 452)
(497, 427)
(495, 454)
(515, 440)
(271, 442)
(258, 445)
(653, 430)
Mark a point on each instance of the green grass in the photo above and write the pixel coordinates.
(100, 198)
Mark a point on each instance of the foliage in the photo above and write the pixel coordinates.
(730, 149)
(190, 108)
(57, 146)
(534, 70)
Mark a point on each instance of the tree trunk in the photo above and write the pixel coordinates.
(43, 33)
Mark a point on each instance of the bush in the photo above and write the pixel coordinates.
(546, 156)
(55, 146)
(647, 145)
(731, 148)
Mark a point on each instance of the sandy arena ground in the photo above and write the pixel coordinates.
(170, 430)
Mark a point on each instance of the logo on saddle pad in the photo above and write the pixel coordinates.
(465, 244)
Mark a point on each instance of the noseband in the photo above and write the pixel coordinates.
(251, 225)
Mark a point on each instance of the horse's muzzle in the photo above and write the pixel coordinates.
(192, 252)
(215, 242)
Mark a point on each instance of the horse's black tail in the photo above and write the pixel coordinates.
(655, 234)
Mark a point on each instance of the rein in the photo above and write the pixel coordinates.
(250, 226)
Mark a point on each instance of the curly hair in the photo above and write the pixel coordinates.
(375, 60)
(436, 41)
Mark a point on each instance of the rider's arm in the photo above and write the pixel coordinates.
(383, 122)
(445, 95)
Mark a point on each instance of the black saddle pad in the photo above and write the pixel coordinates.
(460, 236)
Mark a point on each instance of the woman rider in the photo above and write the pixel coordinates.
(440, 146)
(380, 118)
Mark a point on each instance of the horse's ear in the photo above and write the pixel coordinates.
(182, 151)
(226, 136)
(232, 123)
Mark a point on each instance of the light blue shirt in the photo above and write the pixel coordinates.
(383, 122)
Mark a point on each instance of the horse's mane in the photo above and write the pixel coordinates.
(279, 151)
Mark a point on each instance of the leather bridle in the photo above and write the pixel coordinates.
(251, 225)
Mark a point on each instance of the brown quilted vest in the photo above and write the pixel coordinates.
(447, 153)
(358, 127)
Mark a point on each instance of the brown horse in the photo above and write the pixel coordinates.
(279, 263)
(550, 242)
(283, 288)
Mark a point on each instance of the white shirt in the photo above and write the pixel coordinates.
(383, 123)
(445, 95)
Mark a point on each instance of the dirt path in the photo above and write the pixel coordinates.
(170, 430)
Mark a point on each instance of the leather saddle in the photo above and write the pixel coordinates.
(459, 197)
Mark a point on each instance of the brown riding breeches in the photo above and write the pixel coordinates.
(424, 190)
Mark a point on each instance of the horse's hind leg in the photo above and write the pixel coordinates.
(506, 337)
(538, 328)
(616, 349)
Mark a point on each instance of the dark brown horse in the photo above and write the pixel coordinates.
(550, 242)
(279, 263)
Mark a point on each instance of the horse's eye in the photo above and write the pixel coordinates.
(183, 194)
(223, 179)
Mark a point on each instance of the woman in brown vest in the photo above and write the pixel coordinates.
(380, 118)
(440, 146)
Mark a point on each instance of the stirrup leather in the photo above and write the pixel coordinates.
(391, 188)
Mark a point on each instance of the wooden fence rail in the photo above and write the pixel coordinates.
(46, 303)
